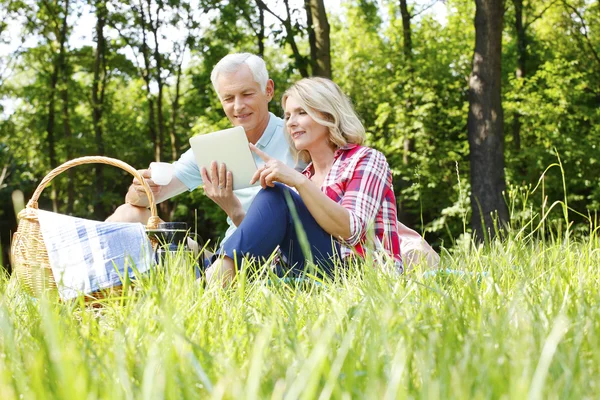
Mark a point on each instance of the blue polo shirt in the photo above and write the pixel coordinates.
(272, 142)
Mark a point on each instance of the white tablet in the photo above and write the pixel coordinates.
(229, 146)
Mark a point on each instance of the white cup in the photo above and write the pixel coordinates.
(161, 172)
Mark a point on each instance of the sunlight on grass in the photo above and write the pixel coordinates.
(518, 317)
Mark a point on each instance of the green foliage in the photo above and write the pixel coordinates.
(559, 106)
(418, 99)
(423, 99)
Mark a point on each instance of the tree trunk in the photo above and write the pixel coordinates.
(152, 123)
(318, 36)
(409, 140)
(154, 25)
(312, 40)
(300, 61)
(146, 73)
(50, 132)
(485, 121)
(406, 30)
(98, 85)
(520, 72)
(260, 37)
(175, 112)
(58, 74)
(165, 206)
(260, 32)
(64, 94)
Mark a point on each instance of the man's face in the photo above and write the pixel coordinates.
(244, 103)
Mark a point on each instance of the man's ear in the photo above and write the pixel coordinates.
(270, 89)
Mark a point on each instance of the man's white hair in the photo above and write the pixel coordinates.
(232, 62)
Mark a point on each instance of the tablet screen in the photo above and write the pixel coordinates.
(229, 146)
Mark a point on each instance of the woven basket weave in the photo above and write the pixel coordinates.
(28, 251)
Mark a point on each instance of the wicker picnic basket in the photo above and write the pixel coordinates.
(28, 251)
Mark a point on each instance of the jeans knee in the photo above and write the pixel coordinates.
(272, 194)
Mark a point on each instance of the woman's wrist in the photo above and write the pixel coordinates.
(301, 181)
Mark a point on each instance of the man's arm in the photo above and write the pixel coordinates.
(218, 186)
(136, 195)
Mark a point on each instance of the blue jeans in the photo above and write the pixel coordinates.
(270, 222)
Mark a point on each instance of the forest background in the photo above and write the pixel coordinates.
(130, 80)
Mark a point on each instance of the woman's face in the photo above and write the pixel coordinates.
(306, 133)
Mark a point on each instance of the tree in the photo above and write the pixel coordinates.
(485, 120)
(579, 20)
(258, 31)
(98, 93)
(318, 38)
(65, 77)
(154, 24)
(134, 24)
(7, 11)
(55, 29)
(410, 76)
(522, 26)
(186, 19)
(291, 30)
(409, 141)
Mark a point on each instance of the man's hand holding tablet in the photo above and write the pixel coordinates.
(226, 164)
(218, 186)
(229, 147)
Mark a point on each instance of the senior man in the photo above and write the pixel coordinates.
(244, 89)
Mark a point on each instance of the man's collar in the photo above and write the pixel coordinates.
(268, 133)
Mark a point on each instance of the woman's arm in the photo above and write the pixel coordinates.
(364, 192)
(330, 216)
(360, 202)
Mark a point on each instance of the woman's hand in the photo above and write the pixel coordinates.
(274, 171)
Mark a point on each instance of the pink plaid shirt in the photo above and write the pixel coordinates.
(360, 180)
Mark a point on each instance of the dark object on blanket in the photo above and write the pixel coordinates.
(172, 232)
(174, 237)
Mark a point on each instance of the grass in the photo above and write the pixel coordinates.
(522, 321)
(516, 318)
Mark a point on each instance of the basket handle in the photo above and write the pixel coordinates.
(152, 221)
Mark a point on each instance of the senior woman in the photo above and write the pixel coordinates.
(343, 201)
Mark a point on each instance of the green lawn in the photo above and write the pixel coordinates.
(522, 320)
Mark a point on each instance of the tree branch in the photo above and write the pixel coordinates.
(585, 30)
(289, 38)
(249, 19)
(262, 5)
(3, 175)
(53, 16)
(425, 8)
(540, 14)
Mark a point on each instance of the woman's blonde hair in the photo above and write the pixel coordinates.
(325, 102)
